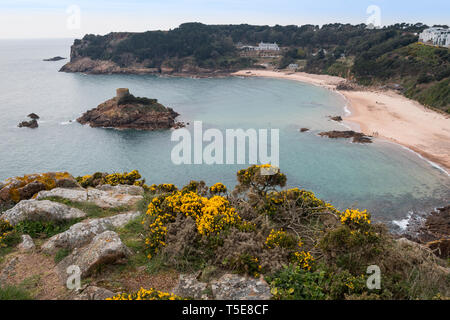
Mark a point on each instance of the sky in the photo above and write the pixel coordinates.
(74, 18)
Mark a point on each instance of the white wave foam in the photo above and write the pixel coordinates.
(64, 123)
(433, 164)
(403, 223)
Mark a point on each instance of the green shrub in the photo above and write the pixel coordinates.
(43, 229)
(61, 254)
(294, 283)
(14, 293)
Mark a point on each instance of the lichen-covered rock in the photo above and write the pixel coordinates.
(7, 270)
(45, 210)
(27, 243)
(105, 196)
(94, 293)
(189, 287)
(75, 195)
(235, 287)
(122, 189)
(105, 248)
(13, 190)
(83, 232)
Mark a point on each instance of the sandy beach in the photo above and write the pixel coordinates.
(385, 114)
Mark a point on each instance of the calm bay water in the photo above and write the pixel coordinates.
(383, 177)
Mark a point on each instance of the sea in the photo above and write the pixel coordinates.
(388, 180)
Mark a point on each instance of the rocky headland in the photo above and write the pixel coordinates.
(126, 111)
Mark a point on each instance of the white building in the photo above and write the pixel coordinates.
(268, 47)
(436, 36)
(293, 66)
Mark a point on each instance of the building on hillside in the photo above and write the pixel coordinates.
(436, 36)
(261, 47)
(293, 66)
(268, 46)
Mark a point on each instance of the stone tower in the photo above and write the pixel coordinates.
(122, 92)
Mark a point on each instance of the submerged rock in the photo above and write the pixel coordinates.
(357, 136)
(126, 111)
(336, 118)
(105, 248)
(304, 129)
(45, 210)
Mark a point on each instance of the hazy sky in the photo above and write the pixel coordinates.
(74, 18)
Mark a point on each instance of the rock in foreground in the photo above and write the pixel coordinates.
(13, 190)
(83, 232)
(45, 210)
(126, 111)
(104, 196)
(104, 249)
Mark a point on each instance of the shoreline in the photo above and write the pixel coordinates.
(384, 114)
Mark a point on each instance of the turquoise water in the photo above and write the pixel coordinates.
(383, 177)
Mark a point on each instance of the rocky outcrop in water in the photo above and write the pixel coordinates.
(126, 111)
(358, 137)
(336, 118)
(32, 124)
(57, 58)
(434, 232)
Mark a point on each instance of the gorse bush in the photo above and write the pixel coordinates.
(205, 225)
(305, 247)
(114, 179)
(5, 231)
(295, 283)
(143, 294)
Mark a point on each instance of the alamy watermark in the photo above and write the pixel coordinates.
(74, 279)
(234, 146)
(374, 19)
(374, 280)
(73, 21)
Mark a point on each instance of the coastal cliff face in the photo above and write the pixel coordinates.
(128, 112)
(191, 49)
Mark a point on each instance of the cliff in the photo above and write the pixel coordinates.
(126, 111)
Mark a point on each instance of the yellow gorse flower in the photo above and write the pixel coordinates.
(211, 215)
(355, 217)
(304, 259)
(143, 294)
